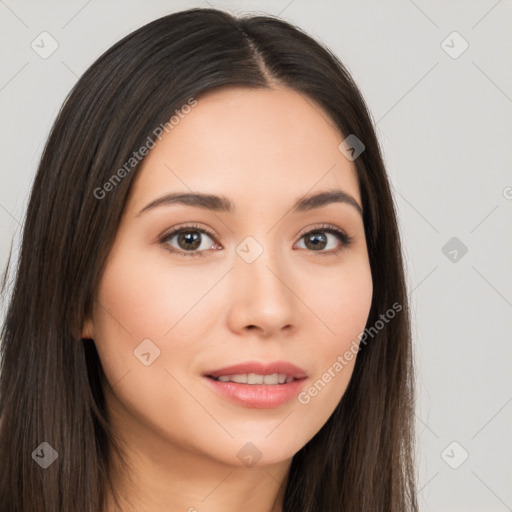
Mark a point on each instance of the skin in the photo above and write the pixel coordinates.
(262, 149)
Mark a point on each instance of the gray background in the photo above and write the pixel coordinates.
(445, 126)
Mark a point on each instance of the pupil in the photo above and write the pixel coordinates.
(192, 238)
(315, 240)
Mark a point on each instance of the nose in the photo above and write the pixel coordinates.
(262, 297)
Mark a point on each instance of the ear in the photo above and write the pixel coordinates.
(87, 331)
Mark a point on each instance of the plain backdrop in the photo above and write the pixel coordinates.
(437, 78)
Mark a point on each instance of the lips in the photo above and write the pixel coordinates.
(257, 385)
(259, 368)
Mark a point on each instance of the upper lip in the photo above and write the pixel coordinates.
(260, 368)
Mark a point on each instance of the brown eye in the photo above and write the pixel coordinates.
(315, 241)
(318, 240)
(188, 241)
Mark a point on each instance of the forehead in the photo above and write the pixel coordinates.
(254, 144)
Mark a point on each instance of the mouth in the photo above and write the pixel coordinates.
(257, 385)
(252, 372)
(254, 379)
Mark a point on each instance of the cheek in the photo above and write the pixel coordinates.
(340, 304)
(146, 297)
(140, 311)
(130, 308)
(340, 300)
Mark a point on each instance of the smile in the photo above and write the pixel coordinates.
(254, 378)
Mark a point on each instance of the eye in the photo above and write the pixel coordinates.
(318, 239)
(190, 241)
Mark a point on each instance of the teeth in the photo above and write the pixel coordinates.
(271, 379)
(254, 378)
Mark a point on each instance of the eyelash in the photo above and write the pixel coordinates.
(345, 239)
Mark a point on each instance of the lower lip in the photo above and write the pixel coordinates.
(257, 396)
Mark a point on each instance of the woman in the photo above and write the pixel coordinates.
(209, 311)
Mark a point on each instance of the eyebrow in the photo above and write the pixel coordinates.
(223, 204)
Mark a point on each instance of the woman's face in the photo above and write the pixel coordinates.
(263, 282)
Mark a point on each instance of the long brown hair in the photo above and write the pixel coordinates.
(51, 381)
